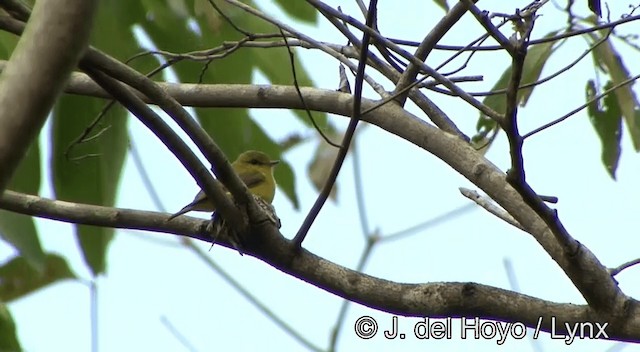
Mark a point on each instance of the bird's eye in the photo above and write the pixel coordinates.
(254, 162)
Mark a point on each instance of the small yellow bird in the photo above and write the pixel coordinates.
(255, 169)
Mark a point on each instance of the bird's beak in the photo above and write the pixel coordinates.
(274, 162)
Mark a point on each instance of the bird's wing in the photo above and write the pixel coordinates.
(252, 178)
(198, 203)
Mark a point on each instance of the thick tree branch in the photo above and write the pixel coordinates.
(36, 74)
(95, 59)
(161, 129)
(435, 300)
(434, 113)
(429, 42)
(582, 267)
(412, 59)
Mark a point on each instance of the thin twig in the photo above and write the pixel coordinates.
(436, 115)
(83, 137)
(177, 334)
(483, 18)
(386, 54)
(342, 313)
(487, 204)
(248, 295)
(297, 86)
(346, 141)
(447, 216)
(615, 271)
(359, 190)
(533, 42)
(144, 175)
(289, 30)
(424, 67)
(586, 104)
(515, 286)
(211, 151)
(228, 20)
(428, 43)
(94, 316)
(160, 128)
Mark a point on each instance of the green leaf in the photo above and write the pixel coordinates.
(91, 171)
(276, 66)
(112, 29)
(607, 121)
(17, 229)
(8, 42)
(322, 162)
(18, 278)
(607, 57)
(275, 63)
(8, 336)
(443, 4)
(232, 129)
(536, 58)
(168, 16)
(299, 10)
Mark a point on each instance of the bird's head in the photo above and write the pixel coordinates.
(255, 159)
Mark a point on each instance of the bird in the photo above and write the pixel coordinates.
(255, 169)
